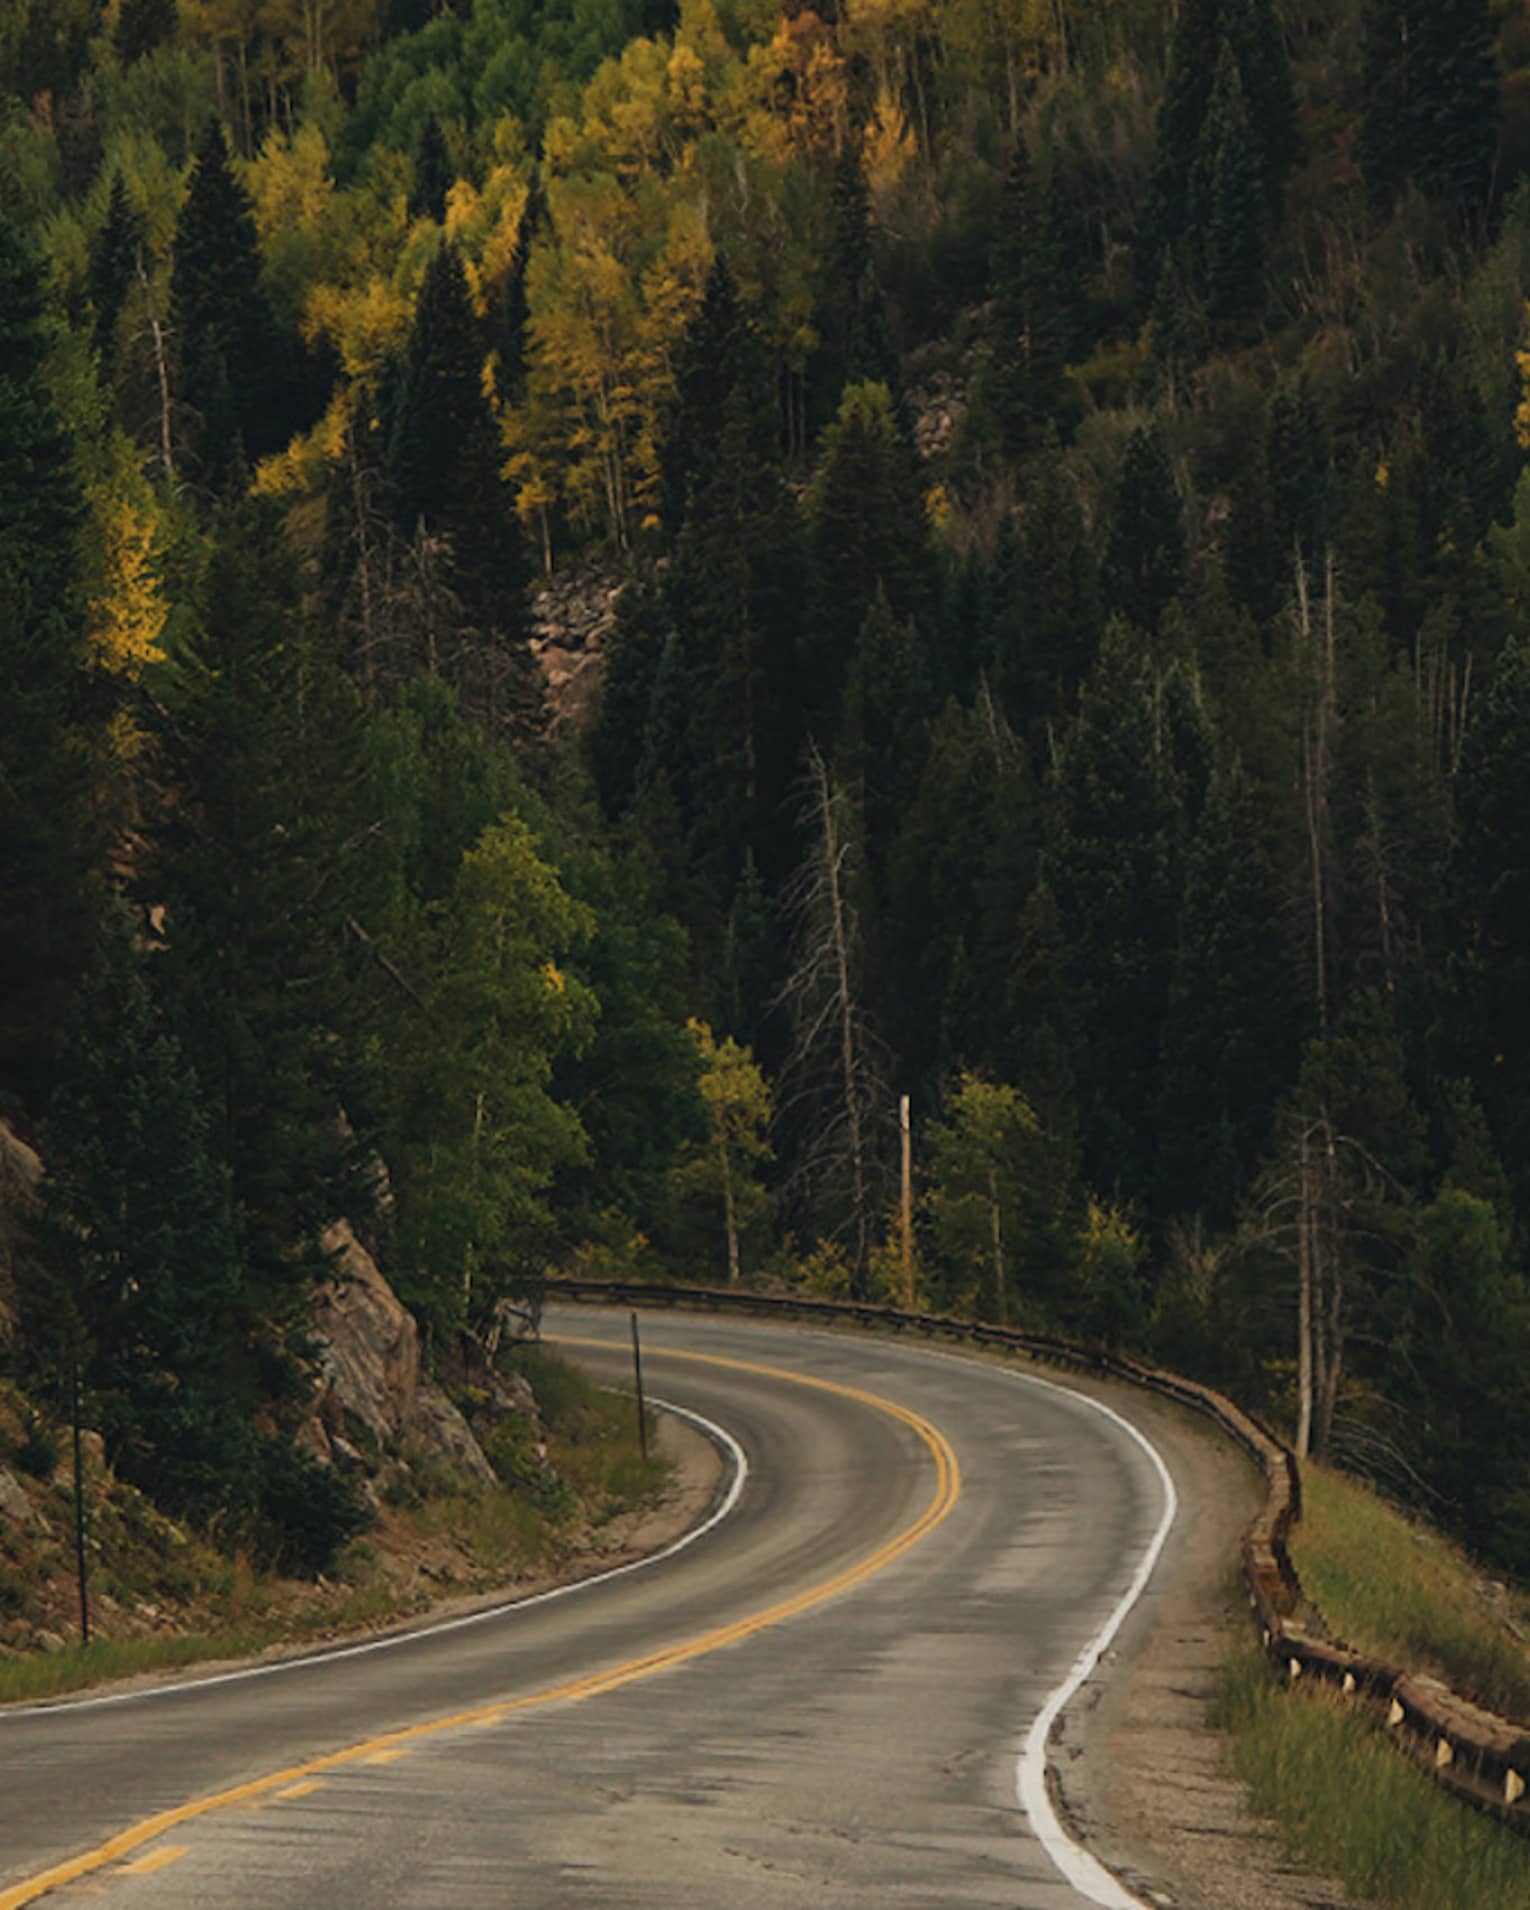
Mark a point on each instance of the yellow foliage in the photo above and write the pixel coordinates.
(127, 617)
(307, 458)
(366, 324)
(290, 183)
(887, 148)
(1522, 415)
(798, 94)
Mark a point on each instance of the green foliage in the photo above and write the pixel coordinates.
(299, 1514)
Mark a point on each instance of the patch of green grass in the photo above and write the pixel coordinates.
(592, 1436)
(1352, 1807)
(1402, 1592)
(39, 1675)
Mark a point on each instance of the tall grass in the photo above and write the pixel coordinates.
(1350, 1806)
(1402, 1592)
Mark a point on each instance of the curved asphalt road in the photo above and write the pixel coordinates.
(860, 1752)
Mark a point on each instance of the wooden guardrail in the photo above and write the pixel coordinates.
(1483, 1759)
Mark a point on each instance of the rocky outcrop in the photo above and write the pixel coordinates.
(374, 1408)
(574, 614)
(20, 1175)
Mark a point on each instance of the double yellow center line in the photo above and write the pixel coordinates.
(947, 1489)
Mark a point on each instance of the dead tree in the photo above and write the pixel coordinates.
(835, 1100)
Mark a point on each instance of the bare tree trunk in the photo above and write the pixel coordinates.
(730, 1218)
(834, 861)
(907, 1204)
(1317, 746)
(162, 372)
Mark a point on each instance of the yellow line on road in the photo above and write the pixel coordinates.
(291, 1792)
(156, 1860)
(947, 1489)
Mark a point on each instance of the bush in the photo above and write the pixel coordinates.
(37, 1450)
(303, 1512)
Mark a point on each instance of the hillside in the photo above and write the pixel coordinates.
(1052, 485)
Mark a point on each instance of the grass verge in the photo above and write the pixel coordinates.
(1403, 1592)
(1351, 1806)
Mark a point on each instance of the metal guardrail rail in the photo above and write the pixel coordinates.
(1481, 1758)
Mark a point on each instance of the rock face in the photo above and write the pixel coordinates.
(373, 1404)
(574, 614)
(20, 1173)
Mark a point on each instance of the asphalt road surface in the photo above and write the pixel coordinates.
(821, 1702)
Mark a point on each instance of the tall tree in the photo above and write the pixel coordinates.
(48, 834)
(141, 1290)
(236, 379)
(143, 26)
(258, 860)
(833, 1087)
(1145, 557)
(444, 482)
(115, 256)
(1227, 201)
(1431, 101)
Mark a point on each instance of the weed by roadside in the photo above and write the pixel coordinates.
(1350, 1806)
(1404, 1593)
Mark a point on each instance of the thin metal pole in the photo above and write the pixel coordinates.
(908, 1201)
(79, 1504)
(637, 1367)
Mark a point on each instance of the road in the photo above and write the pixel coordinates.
(820, 1702)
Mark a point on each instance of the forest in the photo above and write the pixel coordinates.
(1066, 465)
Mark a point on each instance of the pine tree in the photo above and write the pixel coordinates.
(1234, 1020)
(1489, 1016)
(143, 26)
(433, 174)
(1035, 298)
(141, 1286)
(883, 727)
(1247, 31)
(1046, 614)
(1111, 860)
(514, 312)
(852, 323)
(114, 263)
(1227, 216)
(48, 833)
(259, 865)
(1145, 559)
(867, 530)
(1431, 101)
(235, 378)
(444, 483)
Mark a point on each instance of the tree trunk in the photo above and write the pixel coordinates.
(1000, 1308)
(730, 1218)
(1304, 1296)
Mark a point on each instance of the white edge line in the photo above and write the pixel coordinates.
(720, 1437)
(1083, 1871)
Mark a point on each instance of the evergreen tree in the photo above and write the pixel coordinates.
(1035, 295)
(1431, 101)
(514, 312)
(48, 833)
(883, 731)
(868, 531)
(253, 864)
(1227, 197)
(1206, 31)
(1111, 860)
(1234, 1014)
(1145, 559)
(141, 1289)
(444, 483)
(1490, 1015)
(433, 174)
(143, 26)
(114, 262)
(1301, 479)
(1046, 614)
(851, 320)
(235, 377)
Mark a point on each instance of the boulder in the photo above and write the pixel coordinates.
(20, 1174)
(372, 1402)
(14, 1502)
